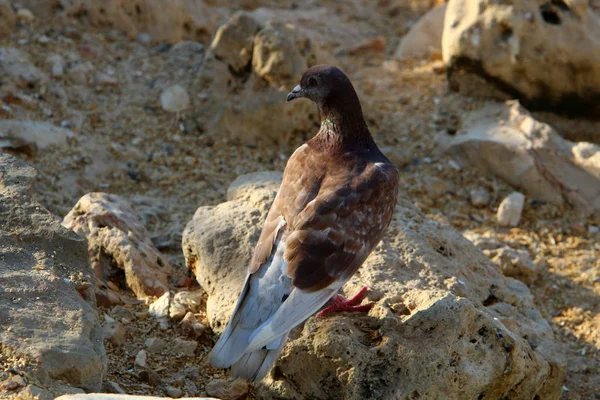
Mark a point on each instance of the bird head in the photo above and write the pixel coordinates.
(322, 84)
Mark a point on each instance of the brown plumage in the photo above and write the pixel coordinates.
(337, 198)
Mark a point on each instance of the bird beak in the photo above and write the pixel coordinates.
(295, 93)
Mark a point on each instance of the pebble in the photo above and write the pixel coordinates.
(593, 229)
(184, 347)
(123, 314)
(57, 65)
(103, 79)
(174, 99)
(174, 392)
(80, 73)
(160, 308)
(150, 377)
(230, 389)
(510, 209)
(44, 39)
(144, 38)
(112, 387)
(155, 345)
(183, 302)
(191, 327)
(114, 331)
(32, 392)
(141, 358)
(25, 15)
(480, 197)
(436, 187)
(13, 383)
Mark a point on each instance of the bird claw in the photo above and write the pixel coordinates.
(351, 305)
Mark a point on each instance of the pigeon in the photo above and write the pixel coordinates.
(336, 199)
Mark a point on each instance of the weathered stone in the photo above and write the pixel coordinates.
(184, 347)
(183, 302)
(521, 57)
(46, 295)
(141, 359)
(112, 387)
(16, 66)
(114, 331)
(479, 197)
(505, 140)
(30, 136)
(155, 345)
(32, 392)
(118, 241)
(191, 327)
(227, 389)
(425, 36)
(107, 396)
(8, 20)
(234, 41)
(438, 301)
(437, 187)
(125, 315)
(510, 209)
(174, 392)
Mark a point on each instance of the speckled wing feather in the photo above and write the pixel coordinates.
(333, 235)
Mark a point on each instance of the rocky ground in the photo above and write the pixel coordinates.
(168, 164)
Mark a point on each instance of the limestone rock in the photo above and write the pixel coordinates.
(141, 359)
(183, 302)
(510, 209)
(425, 36)
(25, 15)
(505, 140)
(436, 187)
(479, 197)
(155, 345)
(16, 66)
(114, 331)
(118, 241)
(446, 323)
(173, 22)
(514, 48)
(191, 327)
(46, 295)
(8, 20)
(227, 389)
(30, 136)
(32, 392)
(110, 396)
(276, 58)
(234, 41)
(184, 347)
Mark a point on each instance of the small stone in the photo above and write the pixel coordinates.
(112, 387)
(480, 197)
(155, 345)
(103, 79)
(12, 383)
(160, 308)
(25, 15)
(72, 33)
(141, 358)
(44, 39)
(114, 331)
(510, 209)
(150, 377)
(174, 99)
(436, 187)
(144, 38)
(32, 392)
(191, 327)
(80, 73)
(174, 392)
(193, 373)
(516, 264)
(57, 65)
(227, 389)
(123, 314)
(184, 347)
(183, 302)
(592, 229)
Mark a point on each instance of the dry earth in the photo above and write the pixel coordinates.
(167, 167)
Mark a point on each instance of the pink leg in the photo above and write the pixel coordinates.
(340, 304)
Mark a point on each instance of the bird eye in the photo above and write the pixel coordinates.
(312, 82)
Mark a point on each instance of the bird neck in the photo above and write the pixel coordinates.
(344, 127)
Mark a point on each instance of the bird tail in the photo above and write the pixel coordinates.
(255, 365)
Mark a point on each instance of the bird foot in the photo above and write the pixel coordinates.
(340, 304)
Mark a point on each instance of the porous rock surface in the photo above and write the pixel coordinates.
(118, 243)
(503, 139)
(50, 329)
(546, 53)
(446, 322)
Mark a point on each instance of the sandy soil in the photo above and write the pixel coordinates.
(125, 144)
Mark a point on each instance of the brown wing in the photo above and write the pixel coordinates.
(333, 235)
(297, 189)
